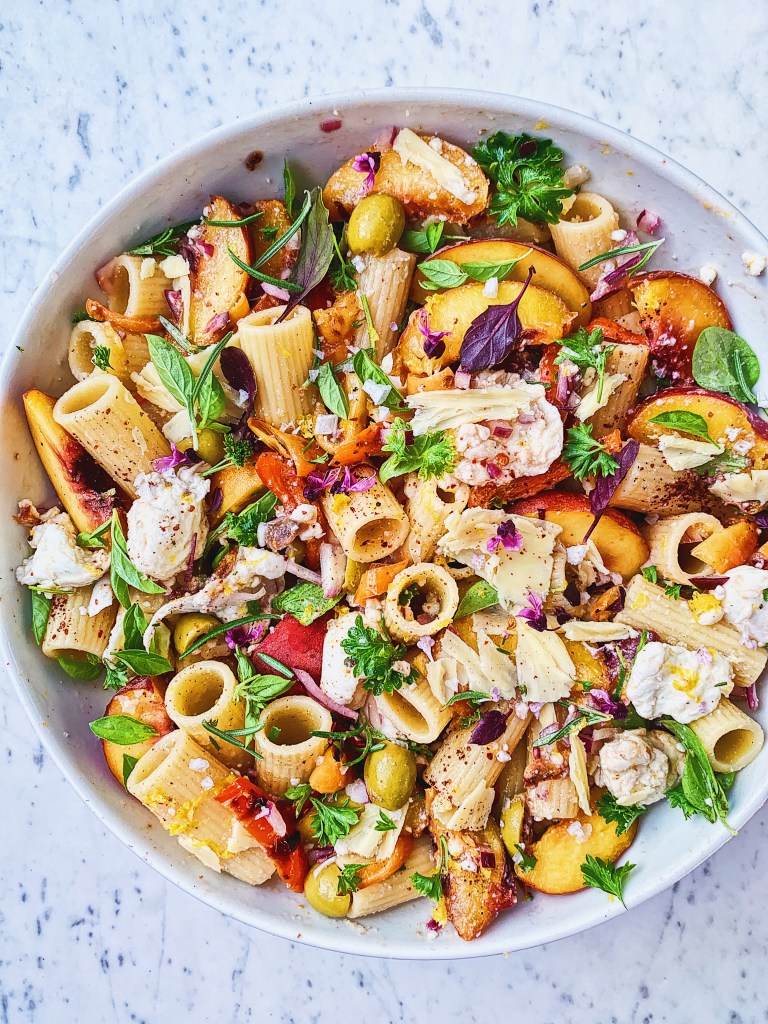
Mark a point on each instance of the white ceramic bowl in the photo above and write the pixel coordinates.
(700, 227)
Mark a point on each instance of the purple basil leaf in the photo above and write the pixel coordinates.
(761, 520)
(605, 486)
(238, 373)
(489, 728)
(492, 335)
(601, 700)
(315, 254)
(708, 582)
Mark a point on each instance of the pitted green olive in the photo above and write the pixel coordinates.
(321, 891)
(210, 446)
(375, 225)
(390, 775)
(190, 628)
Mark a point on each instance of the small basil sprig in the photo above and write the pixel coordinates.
(305, 602)
(94, 539)
(725, 362)
(366, 369)
(122, 729)
(427, 241)
(331, 391)
(86, 669)
(686, 422)
(144, 663)
(700, 789)
(41, 610)
(447, 274)
(479, 596)
(122, 572)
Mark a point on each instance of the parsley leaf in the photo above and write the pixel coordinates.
(585, 455)
(527, 861)
(431, 886)
(384, 823)
(432, 454)
(650, 573)
(610, 810)
(673, 590)
(299, 795)
(349, 879)
(237, 451)
(528, 176)
(601, 874)
(243, 526)
(332, 822)
(372, 655)
(305, 602)
(588, 352)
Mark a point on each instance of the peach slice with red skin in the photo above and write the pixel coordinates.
(551, 272)
(144, 700)
(619, 541)
(722, 414)
(674, 309)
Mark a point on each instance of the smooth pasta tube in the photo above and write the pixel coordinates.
(385, 281)
(178, 781)
(415, 712)
(671, 541)
(731, 739)
(458, 766)
(109, 423)
(631, 360)
(131, 294)
(429, 505)
(651, 484)
(398, 888)
(205, 692)
(434, 592)
(289, 751)
(368, 524)
(646, 606)
(281, 355)
(83, 341)
(585, 231)
(71, 631)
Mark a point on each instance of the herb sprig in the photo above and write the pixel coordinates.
(431, 454)
(586, 455)
(528, 176)
(373, 654)
(601, 874)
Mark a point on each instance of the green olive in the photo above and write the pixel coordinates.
(321, 890)
(390, 775)
(375, 225)
(190, 628)
(210, 445)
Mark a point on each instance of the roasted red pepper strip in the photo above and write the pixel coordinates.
(280, 476)
(246, 800)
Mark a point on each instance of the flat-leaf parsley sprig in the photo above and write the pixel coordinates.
(431, 886)
(588, 352)
(431, 455)
(528, 175)
(601, 874)
(373, 657)
(586, 455)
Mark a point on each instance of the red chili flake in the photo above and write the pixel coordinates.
(330, 126)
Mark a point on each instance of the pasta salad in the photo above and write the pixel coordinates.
(415, 528)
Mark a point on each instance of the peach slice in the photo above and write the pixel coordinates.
(276, 220)
(218, 284)
(729, 547)
(619, 541)
(551, 272)
(728, 421)
(542, 313)
(144, 700)
(674, 309)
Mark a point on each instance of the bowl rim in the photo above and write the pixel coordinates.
(490, 103)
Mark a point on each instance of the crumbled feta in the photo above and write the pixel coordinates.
(358, 263)
(174, 266)
(491, 287)
(619, 235)
(164, 519)
(575, 175)
(57, 561)
(148, 268)
(754, 263)
(206, 783)
(376, 392)
(670, 680)
(199, 764)
(635, 769)
(326, 423)
(708, 273)
(744, 604)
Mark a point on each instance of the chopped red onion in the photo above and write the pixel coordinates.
(708, 582)
(321, 696)
(333, 565)
(385, 138)
(648, 222)
(489, 728)
(752, 701)
(358, 792)
(302, 572)
(487, 858)
(500, 430)
(492, 470)
(462, 380)
(217, 323)
(277, 293)
(317, 856)
(276, 820)
(175, 303)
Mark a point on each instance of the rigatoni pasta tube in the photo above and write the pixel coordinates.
(281, 355)
(109, 423)
(205, 692)
(71, 631)
(731, 739)
(414, 711)
(429, 505)
(434, 593)
(385, 282)
(647, 607)
(178, 781)
(631, 361)
(651, 484)
(135, 352)
(398, 888)
(667, 539)
(550, 798)
(85, 338)
(289, 751)
(129, 292)
(585, 231)
(368, 524)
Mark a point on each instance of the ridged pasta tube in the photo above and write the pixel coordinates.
(429, 505)
(651, 484)
(385, 281)
(289, 751)
(585, 231)
(83, 341)
(647, 607)
(436, 594)
(666, 539)
(731, 739)
(398, 888)
(178, 781)
(368, 524)
(552, 798)
(631, 361)
(205, 692)
(281, 355)
(131, 294)
(414, 711)
(109, 423)
(71, 631)
(135, 352)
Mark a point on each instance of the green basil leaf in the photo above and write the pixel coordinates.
(498, 268)
(479, 596)
(331, 392)
(41, 610)
(366, 370)
(129, 763)
(172, 368)
(725, 362)
(211, 401)
(134, 628)
(122, 729)
(700, 786)
(443, 273)
(305, 602)
(122, 572)
(86, 669)
(687, 422)
(144, 663)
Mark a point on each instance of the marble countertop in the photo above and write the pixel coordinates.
(87, 100)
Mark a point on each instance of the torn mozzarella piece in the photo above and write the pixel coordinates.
(166, 518)
(670, 680)
(57, 561)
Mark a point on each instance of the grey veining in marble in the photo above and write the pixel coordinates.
(90, 94)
